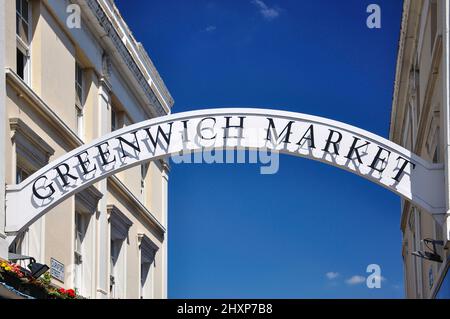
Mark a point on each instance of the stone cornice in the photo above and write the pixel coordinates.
(89, 198)
(119, 221)
(112, 35)
(139, 208)
(408, 43)
(138, 51)
(147, 247)
(18, 126)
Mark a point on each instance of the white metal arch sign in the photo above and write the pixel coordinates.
(335, 143)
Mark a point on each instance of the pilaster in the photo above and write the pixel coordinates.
(103, 127)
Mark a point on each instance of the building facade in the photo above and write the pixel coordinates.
(420, 123)
(73, 73)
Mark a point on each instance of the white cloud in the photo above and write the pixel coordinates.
(269, 13)
(355, 280)
(210, 28)
(332, 275)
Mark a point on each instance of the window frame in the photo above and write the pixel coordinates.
(79, 99)
(21, 169)
(79, 114)
(79, 85)
(23, 47)
(114, 119)
(147, 257)
(119, 226)
(78, 251)
(144, 173)
(27, 20)
(26, 64)
(86, 205)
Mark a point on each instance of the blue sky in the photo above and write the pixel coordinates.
(234, 232)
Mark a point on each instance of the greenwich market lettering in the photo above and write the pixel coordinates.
(331, 142)
(206, 129)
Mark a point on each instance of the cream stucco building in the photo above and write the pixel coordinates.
(66, 83)
(420, 122)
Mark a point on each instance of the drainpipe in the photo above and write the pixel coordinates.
(3, 241)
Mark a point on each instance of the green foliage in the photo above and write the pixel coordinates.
(46, 278)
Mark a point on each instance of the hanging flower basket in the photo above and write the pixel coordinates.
(12, 275)
(33, 289)
(12, 280)
(15, 276)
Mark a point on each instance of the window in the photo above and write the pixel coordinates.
(414, 225)
(146, 280)
(148, 251)
(436, 154)
(21, 61)
(434, 23)
(86, 203)
(407, 131)
(119, 224)
(144, 170)
(114, 119)
(78, 251)
(439, 232)
(118, 118)
(31, 153)
(21, 174)
(22, 65)
(17, 244)
(80, 127)
(415, 266)
(405, 267)
(417, 93)
(79, 99)
(23, 20)
(23, 40)
(79, 84)
(116, 278)
(411, 129)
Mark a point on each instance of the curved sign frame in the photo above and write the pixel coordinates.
(363, 153)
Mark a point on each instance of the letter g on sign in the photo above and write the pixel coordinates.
(37, 188)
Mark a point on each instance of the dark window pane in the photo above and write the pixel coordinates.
(79, 92)
(21, 175)
(79, 75)
(22, 19)
(18, 19)
(25, 32)
(22, 30)
(113, 120)
(25, 9)
(79, 83)
(20, 64)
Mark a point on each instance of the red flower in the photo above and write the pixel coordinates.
(71, 293)
(62, 291)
